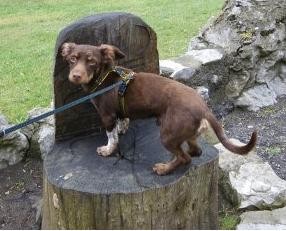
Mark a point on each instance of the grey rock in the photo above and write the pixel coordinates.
(247, 182)
(206, 55)
(188, 61)
(183, 75)
(197, 43)
(257, 97)
(13, 147)
(41, 134)
(252, 38)
(203, 92)
(240, 56)
(278, 86)
(168, 67)
(265, 220)
(206, 67)
(182, 68)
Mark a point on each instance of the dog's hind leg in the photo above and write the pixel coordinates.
(165, 168)
(194, 149)
(180, 157)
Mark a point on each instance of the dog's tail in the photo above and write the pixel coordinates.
(242, 150)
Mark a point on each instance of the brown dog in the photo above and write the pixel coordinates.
(181, 113)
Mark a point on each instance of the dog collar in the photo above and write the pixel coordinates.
(99, 81)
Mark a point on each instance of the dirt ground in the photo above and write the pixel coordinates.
(21, 184)
(20, 191)
(270, 123)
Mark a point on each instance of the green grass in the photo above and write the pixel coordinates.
(28, 30)
(228, 221)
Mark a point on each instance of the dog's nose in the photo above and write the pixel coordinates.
(76, 77)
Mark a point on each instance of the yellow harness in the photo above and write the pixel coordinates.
(126, 77)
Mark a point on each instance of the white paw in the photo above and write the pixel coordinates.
(104, 150)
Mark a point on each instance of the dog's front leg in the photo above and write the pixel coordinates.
(112, 143)
(112, 135)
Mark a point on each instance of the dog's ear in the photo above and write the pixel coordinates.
(67, 49)
(110, 53)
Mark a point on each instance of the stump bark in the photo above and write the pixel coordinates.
(85, 191)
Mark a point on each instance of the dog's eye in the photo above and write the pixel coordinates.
(73, 59)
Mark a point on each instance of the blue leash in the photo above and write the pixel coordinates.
(60, 109)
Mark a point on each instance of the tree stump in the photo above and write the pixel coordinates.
(85, 191)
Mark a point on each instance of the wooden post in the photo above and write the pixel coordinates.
(85, 191)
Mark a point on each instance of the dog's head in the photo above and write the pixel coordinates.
(88, 61)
